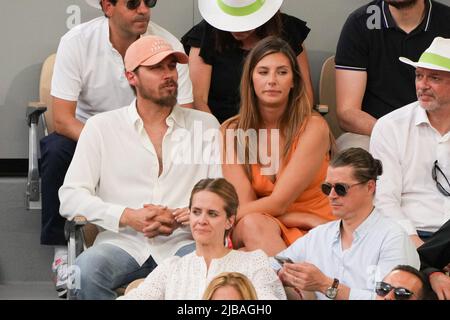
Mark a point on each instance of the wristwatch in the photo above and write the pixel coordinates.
(332, 291)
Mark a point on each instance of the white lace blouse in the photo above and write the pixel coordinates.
(186, 278)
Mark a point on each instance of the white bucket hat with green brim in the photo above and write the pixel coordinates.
(436, 57)
(238, 15)
(94, 3)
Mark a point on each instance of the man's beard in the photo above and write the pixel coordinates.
(430, 106)
(401, 4)
(170, 100)
(167, 101)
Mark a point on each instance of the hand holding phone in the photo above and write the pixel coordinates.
(281, 260)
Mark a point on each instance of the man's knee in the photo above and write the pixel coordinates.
(105, 263)
(93, 266)
(101, 269)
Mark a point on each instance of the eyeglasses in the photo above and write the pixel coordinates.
(134, 4)
(341, 189)
(438, 184)
(382, 289)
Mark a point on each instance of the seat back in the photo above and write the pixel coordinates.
(44, 90)
(327, 95)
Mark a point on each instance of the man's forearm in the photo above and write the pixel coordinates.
(70, 129)
(357, 121)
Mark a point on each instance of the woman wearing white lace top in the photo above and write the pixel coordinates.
(213, 206)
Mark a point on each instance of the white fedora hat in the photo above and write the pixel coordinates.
(436, 57)
(238, 15)
(94, 3)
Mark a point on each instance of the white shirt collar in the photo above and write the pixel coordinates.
(367, 224)
(175, 117)
(420, 116)
(361, 230)
(105, 32)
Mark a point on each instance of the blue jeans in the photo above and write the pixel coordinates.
(105, 267)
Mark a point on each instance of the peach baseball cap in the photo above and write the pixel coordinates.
(150, 50)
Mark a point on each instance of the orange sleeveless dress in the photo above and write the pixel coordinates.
(312, 200)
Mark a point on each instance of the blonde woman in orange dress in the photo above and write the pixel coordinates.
(279, 203)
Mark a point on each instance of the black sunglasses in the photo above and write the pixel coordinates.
(134, 4)
(382, 289)
(438, 184)
(341, 189)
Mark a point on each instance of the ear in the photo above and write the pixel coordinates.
(371, 186)
(131, 77)
(230, 223)
(107, 7)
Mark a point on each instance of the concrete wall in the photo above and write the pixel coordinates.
(22, 258)
(30, 31)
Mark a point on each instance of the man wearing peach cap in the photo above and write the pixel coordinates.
(132, 173)
(413, 144)
(88, 79)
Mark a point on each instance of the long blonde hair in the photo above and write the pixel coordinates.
(233, 279)
(297, 112)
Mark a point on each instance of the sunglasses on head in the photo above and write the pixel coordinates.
(340, 188)
(134, 4)
(439, 186)
(382, 289)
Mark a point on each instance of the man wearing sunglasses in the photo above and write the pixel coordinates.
(403, 283)
(413, 143)
(344, 259)
(88, 79)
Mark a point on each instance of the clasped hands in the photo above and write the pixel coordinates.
(154, 220)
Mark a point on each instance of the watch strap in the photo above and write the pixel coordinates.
(335, 283)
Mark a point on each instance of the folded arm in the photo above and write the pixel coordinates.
(66, 123)
(200, 73)
(303, 62)
(350, 89)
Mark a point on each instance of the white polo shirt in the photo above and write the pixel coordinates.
(90, 71)
(408, 145)
(115, 166)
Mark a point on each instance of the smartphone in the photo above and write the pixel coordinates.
(282, 260)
